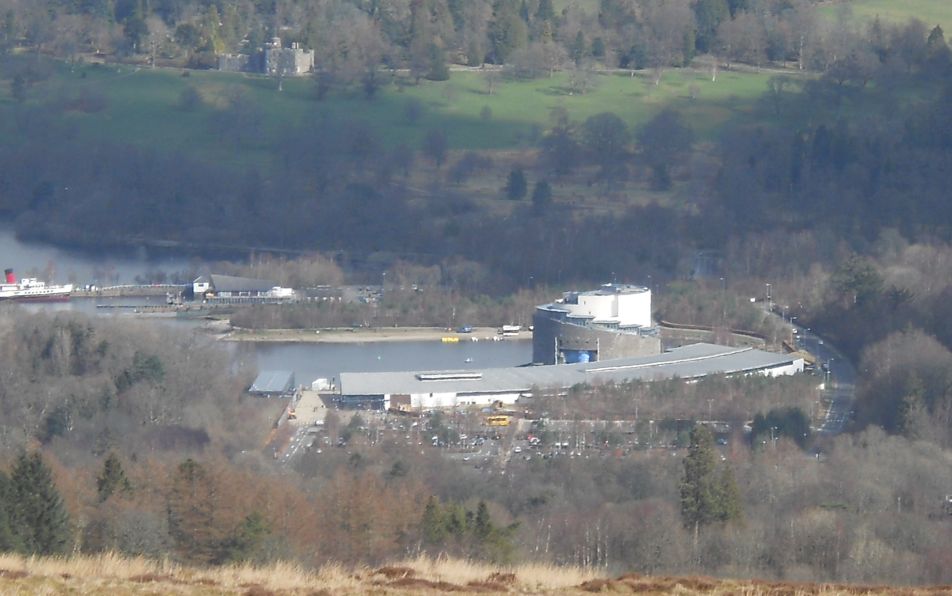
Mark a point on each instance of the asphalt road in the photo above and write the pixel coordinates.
(840, 384)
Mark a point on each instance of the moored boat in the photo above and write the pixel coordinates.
(30, 289)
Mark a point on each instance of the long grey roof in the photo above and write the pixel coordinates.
(693, 361)
(230, 283)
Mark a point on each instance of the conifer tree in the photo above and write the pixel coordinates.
(247, 541)
(706, 495)
(39, 519)
(433, 529)
(483, 526)
(191, 513)
(516, 185)
(541, 196)
(112, 479)
(730, 507)
(8, 541)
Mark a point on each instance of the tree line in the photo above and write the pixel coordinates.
(353, 39)
(768, 511)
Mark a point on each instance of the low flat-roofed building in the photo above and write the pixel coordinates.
(273, 383)
(442, 389)
(233, 288)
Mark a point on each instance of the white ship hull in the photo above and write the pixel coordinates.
(32, 290)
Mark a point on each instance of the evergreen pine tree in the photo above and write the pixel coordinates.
(433, 528)
(438, 70)
(112, 479)
(8, 541)
(578, 50)
(545, 11)
(455, 520)
(247, 541)
(541, 196)
(191, 514)
(39, 519)
(699, 486)
(935, 44)
(483, 526)
(516, 185)
(729, 504)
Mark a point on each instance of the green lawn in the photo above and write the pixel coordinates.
(142, 106)
(589, 6)
(931, 12)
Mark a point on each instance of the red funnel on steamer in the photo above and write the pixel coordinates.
(11, 278)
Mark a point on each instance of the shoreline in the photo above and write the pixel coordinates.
(369, 335)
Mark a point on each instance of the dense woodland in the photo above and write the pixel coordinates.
(129, 438)
(124, 465)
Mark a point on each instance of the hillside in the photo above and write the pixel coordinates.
(117, 576)
(931, 12)
(142, 106)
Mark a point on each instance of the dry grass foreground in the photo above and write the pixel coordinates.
(115, 575)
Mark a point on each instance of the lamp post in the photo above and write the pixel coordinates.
(768, 297)
(723, 299)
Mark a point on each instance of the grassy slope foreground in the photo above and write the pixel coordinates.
(110, 574)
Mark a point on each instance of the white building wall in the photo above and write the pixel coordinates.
(791, 369)
(628, 308)
(601, 307)
(430, 401)
(635, 309)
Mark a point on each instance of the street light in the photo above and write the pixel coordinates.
(723, 299)
(768, 297)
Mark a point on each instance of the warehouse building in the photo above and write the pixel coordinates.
(611, 322)
(445, 389)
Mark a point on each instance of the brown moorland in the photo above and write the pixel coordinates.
(117, 576)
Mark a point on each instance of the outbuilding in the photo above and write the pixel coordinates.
(273, 383)
(233, 288)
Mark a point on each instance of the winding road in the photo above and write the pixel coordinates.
(840, 387)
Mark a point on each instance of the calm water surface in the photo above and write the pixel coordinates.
(308, 361)
(69, 266)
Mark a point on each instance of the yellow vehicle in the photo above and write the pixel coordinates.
(497, 420)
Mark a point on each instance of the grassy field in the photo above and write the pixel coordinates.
(114, 575)
(931, 12)
(142, 105)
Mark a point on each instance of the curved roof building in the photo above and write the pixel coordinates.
(613, 321)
